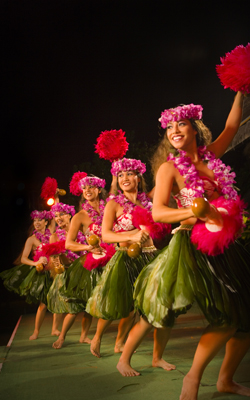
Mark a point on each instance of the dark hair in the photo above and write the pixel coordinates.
(203, 138)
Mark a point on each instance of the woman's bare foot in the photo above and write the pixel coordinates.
(190, 388)
(58, 343)
(160, 363)
(84, 339)
(55, 332)
(34, 336)
(119, 348)
(233, 387)
(95, 347)
(126, 370)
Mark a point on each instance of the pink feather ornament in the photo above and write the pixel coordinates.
(50, 249)
(74, 186)
(111, 145)
(48, 188)
(143, 217)
(91, 262)
(234, 71)
(214, 243)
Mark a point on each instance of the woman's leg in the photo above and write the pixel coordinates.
(57, 319)
(212, 340)
(135, 337)
(236, 349)
(95, 346)
(40, 315)
(67, 323)
(124, 327)
(86, 323)
(161, 338)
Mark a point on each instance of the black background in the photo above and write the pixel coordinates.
(71, 69)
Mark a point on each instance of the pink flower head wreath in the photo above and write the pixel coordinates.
(92, 181)
(127, 164)
(40, 214)
(182, 112)
(61, 207)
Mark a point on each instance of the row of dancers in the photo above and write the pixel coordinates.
(103, 260)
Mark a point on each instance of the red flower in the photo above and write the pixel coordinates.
(111, 145)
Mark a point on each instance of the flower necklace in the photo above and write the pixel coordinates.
(92, 213)
(223, 175)
(42, 237)
(61, 233)
(127, 204)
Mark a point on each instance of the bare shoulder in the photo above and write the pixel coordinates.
(166, 169)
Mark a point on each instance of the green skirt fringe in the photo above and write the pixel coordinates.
(180, 275)
(26, 281)
(57, 302)
(80, 282)
(112, 298)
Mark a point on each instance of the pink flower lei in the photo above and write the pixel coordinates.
(223, 175)
(127, 205)
(61, 207)
(93, 214)
(186, 111)
(43, 237)
(92, 181)
(127, 164)
(61, 233)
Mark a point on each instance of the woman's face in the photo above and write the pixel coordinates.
(90, 192)
(39, 224)
(62, 219)
(180, 133)
(128, 180)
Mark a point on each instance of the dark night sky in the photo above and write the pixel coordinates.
(72, 69)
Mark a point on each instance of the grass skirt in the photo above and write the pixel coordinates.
(112, 298)
(180, 275)
(79, 281)
(26, 281)
(58, 303)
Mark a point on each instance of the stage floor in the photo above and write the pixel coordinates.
(34, 370)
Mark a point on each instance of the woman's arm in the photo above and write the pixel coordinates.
(76, 223)
(109, 236)
(164, 182)
(220, 145)
(30, 242)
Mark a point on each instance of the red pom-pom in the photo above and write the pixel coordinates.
(143, 217)
(96, 261)
(234, 71)
(74, 184)
(214, 243)
(111, 145)
(48, 188)
(50, 249)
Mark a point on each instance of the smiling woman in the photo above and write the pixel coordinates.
(112, 297)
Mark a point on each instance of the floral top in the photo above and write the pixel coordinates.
(186, 195)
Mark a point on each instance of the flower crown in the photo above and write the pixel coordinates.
(182, 112)
(61, 207)
(92, 181)
(127, 164)
(41, 214)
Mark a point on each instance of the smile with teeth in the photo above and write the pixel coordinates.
(177, 138)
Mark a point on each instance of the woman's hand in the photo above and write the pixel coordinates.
(42, 260)
(141, 237)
